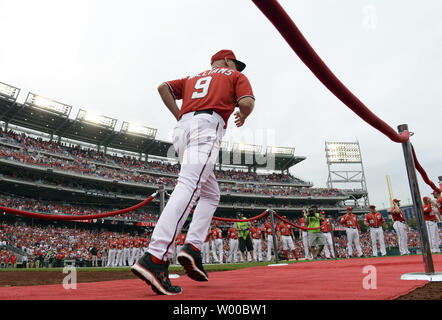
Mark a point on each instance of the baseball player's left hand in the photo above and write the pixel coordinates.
(239, 119)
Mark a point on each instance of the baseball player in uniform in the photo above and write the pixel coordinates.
(135, 254)
(112, 253)
(285, 232)
(256, 234)
(217, 248)
(352, 229)
(326, 231)
(431, 222)
(206, 249)
(375, 220)
(304, 236)
(268, 238)
(126, 250)
(400, 226)
(209, 98)
(232, 236)
(438, 204)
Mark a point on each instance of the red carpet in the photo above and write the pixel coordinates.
(321, 280)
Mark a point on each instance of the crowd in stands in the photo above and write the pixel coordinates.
(87, 161)
(27, 204)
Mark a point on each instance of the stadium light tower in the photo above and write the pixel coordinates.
(96, 119)
(347, 157)
(8, 92)
(138, 130)
(35, 101)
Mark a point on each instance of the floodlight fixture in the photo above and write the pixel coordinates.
(8, 92)
(343, 152)
(249, 148)
(138, 130)
(284, 151)
(96, 119)
(49, 105)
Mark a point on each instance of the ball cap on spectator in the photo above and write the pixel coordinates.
(240, 66)
(372, 206)
(349, 208)
(396, 200)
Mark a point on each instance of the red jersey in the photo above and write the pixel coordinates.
(136, 243)
(429, 214)
(232, 233)
(439, 204)
(217, 233)
(374, 220)
(112, 244)
(302, 224)
(285, 229)
(268, 228)
(349, 221)
(325, 227)
(126, 243)
(180, 239)
(397, 216)
(256, 232)
(218, 89)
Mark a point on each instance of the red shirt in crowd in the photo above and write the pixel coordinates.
(374, 220)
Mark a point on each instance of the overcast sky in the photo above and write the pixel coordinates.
(109, 57)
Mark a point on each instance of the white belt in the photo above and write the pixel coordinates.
(190, 115)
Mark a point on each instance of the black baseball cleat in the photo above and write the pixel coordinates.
(156, 275)
(191, 260)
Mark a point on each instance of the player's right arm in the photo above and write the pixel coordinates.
(168, 99)
(246, 106)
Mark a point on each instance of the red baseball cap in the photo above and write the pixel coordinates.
(240, 66)
(349, 208)
(372, 206)
(396, 200)
(322, 212)
(426, 198)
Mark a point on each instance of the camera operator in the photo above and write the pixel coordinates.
(316, 238)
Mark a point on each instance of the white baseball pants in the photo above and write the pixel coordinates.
(287, 243)
(134, 256)
(377, 234)
(307, 252)
(111, 258)
(126, 256)
(197, 141)
(433, 235)
(402, 234)
(353, 237)
(257, 249)
(269, 247)
(205, 252)
(328, 252)
(217, 250)
(233, 251)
